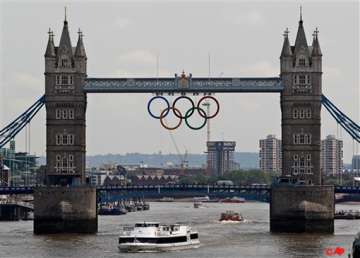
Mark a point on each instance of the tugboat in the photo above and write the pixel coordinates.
(231, 216)
(155, 237)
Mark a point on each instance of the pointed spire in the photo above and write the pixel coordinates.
(300, 41)
(316, 51)
(286, 49)
(65, 42)
(80, 49)
(50, 49)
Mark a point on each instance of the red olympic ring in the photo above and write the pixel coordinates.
(163, 115)
(217, 109)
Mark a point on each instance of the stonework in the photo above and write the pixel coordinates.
(65, 72)
(301, 105)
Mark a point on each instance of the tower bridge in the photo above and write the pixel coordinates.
(307, 207)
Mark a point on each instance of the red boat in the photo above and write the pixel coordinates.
(231, 216)
(233, 200)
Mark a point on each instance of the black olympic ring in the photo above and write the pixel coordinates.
(158, 97)
(200, 110)
(217, 109)
(162, 116)
(192, 108)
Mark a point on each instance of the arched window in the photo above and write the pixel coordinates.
(58, 139)
(308, 113)
(302, 61)
(295, 113)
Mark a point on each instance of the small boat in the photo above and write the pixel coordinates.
(146, 206)
(156, 237)
(198, 204)
(350, 214)
(108, 209)
(166, 199)
(233, 200)
(231, 216)
(202, 199)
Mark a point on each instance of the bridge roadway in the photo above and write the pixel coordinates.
(182, 188)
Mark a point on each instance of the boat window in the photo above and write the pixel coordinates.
(126, 240)
(144, 225)
(164, 240)
(194, 236)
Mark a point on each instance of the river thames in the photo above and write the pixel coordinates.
(249, 239)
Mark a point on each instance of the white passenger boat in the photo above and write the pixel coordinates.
(155, 237)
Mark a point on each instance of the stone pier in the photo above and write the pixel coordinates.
(302, 208)
(65, 210)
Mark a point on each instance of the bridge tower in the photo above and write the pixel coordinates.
(303, 204)
(71, 205)
(65, 71)
(301, 105)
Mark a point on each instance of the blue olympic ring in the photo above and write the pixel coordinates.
(167, 109)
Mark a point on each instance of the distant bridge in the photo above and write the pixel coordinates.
(200, 189)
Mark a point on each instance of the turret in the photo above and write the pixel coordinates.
(80, 55)
(64, 53)
(316, 54)
(286, 54)
(301, 49)
(50, 55)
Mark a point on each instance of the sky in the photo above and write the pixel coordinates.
(124, 39)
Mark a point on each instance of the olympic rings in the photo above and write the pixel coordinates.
(200, 110)
(162, 116)
(192, 108)
(158, 97)
(188, 113)
(207, 115)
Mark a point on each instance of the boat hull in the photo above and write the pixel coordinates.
(150, 248)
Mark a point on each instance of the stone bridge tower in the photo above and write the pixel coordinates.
(302, 204)
(71, 206)
(65, 71)
(301, 105)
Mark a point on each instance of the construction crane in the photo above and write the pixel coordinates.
(207, 105)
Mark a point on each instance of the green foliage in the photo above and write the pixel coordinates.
(345, 180)
(246, 177)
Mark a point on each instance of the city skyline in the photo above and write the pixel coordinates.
(134, 54)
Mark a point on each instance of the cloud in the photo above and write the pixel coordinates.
(122, 22)
(332, 71)
(143, 73)
(138, 56)
(262, 69)
(253, 17)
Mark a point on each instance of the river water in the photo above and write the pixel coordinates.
(248, 239)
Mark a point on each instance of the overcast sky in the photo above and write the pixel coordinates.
(124, 38)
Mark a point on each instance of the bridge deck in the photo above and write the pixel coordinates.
(182, 85)
(200, 188)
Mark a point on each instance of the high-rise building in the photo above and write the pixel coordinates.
(331, 155)
(355, 163)
(220, 155)
(270, 154)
